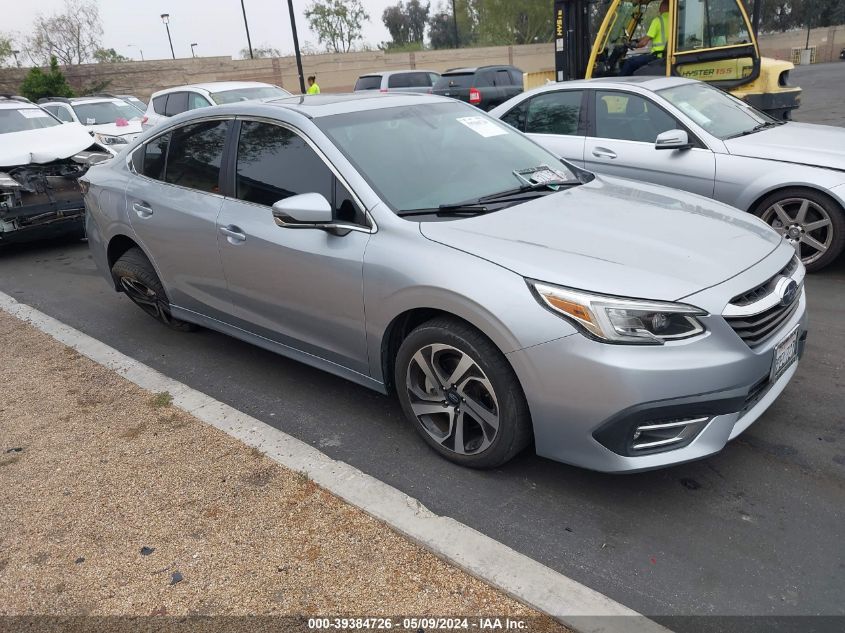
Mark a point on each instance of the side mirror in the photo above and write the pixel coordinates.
(672, 139)
(306, 210)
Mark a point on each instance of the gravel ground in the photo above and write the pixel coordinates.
(112, 502)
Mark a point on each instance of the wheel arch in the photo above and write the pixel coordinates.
(784, 187)
(117, 247)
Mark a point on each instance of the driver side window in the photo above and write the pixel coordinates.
(629, 117)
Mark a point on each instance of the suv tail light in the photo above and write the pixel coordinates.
(474, 96)
(382, 89)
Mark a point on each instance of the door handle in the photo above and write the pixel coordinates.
(233, 233)
(602, 152)
(142, 209)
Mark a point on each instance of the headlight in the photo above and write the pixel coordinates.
(617, 320)
(107, 139)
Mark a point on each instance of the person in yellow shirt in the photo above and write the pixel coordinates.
(657, 36)
(313, 88)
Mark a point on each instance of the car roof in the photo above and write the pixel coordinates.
(388, 73)
(649, 83)
(14, 104)
(475, 69)
(316, 106)
(214, 86)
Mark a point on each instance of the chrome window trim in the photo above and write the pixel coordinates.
(373, 228)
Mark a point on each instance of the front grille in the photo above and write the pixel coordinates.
(755, 294)
(757, 328)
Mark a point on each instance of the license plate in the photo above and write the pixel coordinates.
(786, 352)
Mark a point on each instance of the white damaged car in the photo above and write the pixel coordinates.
(40, 162)
(114, 122)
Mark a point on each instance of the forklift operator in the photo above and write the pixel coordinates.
(657, 35)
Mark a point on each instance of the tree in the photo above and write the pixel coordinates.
(417, 18)
(39, 84)
(337, 23)
(513, 22)
(7, 58)
(396, 21)
(109, 56)
(72, 36)
(441, 25)
(265, 50)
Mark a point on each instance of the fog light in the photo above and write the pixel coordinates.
(666, 435)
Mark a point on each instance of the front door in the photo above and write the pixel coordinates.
(302, 288)
(173, 209)
(623, 129)
(553, 119)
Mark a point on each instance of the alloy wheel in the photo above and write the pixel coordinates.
(452, 399)
(805, 223)
(146, 298)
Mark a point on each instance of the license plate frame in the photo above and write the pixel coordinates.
(784, 354)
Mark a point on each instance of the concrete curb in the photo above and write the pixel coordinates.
(523, 578)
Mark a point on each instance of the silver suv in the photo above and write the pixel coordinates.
(397, 81)
(412, 244)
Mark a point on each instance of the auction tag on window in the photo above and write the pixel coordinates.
(90, 121)
(480, 125)
(34, 113)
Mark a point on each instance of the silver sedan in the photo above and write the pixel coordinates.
(688, 135)
(413, 244)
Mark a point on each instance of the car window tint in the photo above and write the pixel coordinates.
(152, 156)
(516, 115)
(516, 77)
(159, 104)
(433, 77)
(409, 80)
(273, 163)
(177, 102)
(502, 78)
(369, 82)
(483, 79)
(457, 80)
(61, 113)
(630, 117)
(346, 210)
(554, 113)
(195, 154)
(197, 101)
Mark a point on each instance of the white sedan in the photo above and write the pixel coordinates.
(689, 135)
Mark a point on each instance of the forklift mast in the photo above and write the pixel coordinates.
(572, 39)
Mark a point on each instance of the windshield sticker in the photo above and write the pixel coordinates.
(542, 175)
(34, 113)
(481, 125)
(90, 121)
(694, 114)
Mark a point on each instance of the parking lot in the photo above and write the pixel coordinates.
(755, 530)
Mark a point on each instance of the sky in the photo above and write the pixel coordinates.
(216, 26)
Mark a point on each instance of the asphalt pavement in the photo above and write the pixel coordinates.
(755, 530)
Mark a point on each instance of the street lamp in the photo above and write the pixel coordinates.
(17, 63)
(246, 25)
(140, 50)
(296, 47)
(455, 24)
(192, 49)
(165, 17)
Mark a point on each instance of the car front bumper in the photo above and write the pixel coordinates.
(582, 393)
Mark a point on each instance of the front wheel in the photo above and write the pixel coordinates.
(138, 279)
(461, 394)
(813, 222)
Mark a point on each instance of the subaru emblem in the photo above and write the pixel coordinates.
(787, 289)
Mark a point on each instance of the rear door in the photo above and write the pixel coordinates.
(622, 129)
(416, 81)
(173, 203)
(302, 288)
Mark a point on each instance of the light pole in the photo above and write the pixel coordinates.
(140, 50)
(455, 24)
(17, 63)
(246, 26)
(192, 49)
(165, 17)
(296, 47)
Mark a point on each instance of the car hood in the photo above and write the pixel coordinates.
(616, 237)
(43, 145)
(131, 130)
(802, 143)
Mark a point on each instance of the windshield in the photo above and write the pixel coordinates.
(246, 94)
(424, 156)
(710, 24)
(718, 113)
(104, 112)
(21, 119)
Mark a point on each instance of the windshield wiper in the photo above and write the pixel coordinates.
(459, 208)
(544, 187)
(757, 128)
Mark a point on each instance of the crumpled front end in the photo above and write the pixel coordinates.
(41, 201)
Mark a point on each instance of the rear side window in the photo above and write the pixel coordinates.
(61, 113)
(195, 154)
(159, 103)
(177, 102)
(274, 163)
(554, 113)
(516, 77)
(484, 79)
(197, 101)
(516, 115)
(409, 80)
(502, 78)
(368, 82)
(461, 80)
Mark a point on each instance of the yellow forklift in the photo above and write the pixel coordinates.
(709, 40)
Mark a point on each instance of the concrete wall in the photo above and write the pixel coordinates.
(337, 72)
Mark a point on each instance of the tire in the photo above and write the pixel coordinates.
(138, 280)
(487, 390)
(817, 247)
